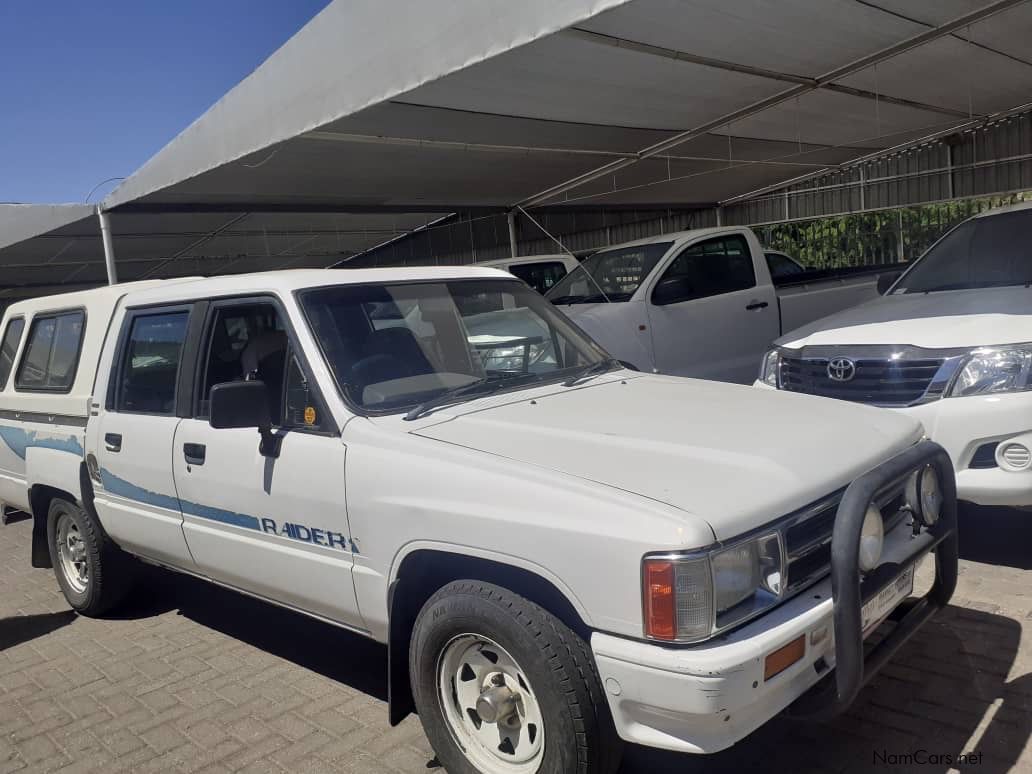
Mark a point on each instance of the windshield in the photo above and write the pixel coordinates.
(612, 275)
(981, 253)
(394, 346)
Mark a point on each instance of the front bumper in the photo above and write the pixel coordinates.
(963, 425)
(704, 698)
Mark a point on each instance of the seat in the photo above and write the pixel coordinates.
(264, 359)
(391, 353)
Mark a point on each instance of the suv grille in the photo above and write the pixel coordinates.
(882, 381)
(807, 538)
(808, 546)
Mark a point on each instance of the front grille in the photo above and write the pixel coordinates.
(882, 381)
(808, 546)
(807, 537)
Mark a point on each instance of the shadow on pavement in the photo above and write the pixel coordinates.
(22, 628)
(995, 535)
(334, 653)
(947, 693)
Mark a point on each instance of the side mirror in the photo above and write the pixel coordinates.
(244, 404)
(886, 281)
(671, 290)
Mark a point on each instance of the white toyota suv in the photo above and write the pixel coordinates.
(949, 343)
(559, 553)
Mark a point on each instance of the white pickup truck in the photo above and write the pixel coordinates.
(701, 303)
(950, 344)
(559, 553)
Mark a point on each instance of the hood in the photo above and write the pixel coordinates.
(735, 456)
(956, 318)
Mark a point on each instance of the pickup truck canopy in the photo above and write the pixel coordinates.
(394, 130)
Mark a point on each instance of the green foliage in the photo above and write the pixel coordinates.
(873, 238)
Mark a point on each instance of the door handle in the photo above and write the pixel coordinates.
(194, 453)
(756, 305)
(113, 442)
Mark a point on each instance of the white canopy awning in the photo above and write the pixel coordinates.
(378, 117)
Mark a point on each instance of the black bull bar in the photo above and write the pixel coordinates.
(853, 668)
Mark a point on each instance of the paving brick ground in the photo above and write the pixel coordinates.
(194, 678)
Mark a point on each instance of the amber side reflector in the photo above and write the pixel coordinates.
(660, 620)
(779, 660)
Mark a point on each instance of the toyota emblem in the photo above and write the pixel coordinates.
(841, 369)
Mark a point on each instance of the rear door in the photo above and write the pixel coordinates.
(274, 526)
(720, 319)
(130, 438)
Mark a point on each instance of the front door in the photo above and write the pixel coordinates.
(274, 526)
(130, 441)
(718, 322)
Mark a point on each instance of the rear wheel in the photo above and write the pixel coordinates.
(93, 573)
(504, 687)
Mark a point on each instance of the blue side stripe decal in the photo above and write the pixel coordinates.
(19, 440)
(123, 488)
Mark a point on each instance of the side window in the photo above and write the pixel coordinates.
(245, 342)
(52, 352)
(9, 347)
(540, 276)
(149, 368)
(782, 266)
(709, 268)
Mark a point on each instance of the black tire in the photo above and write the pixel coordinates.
(579, 735)
(109, 570)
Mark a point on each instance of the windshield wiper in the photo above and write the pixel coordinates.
(595, 299)
(971, 286)
(484, 386)
(595, 369)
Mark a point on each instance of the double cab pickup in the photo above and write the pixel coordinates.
(560, 554)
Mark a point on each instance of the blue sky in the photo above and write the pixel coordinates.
(91, 90)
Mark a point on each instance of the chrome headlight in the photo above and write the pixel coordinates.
(872, 538)
(690, 598)
(996, 369)
(770, 369)
(924, 495)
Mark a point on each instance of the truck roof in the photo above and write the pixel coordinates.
(106, 296)
(676, 236)
(297, 279)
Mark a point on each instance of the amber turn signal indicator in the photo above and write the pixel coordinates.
(660, 619)
(779, 660)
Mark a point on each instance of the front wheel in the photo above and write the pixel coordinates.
(504, 687)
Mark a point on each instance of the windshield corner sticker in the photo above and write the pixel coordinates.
(299, 532)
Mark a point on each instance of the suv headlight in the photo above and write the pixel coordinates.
(995, 369)
(770, 369)
(690, 598)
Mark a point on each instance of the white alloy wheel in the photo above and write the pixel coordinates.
(489, 706)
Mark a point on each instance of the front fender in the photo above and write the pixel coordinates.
(492, 556)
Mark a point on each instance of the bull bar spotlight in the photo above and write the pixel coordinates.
(924, 495)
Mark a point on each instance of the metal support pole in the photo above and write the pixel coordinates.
(513, 248)
(109, 248)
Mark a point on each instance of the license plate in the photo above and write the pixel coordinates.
(878, 607)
